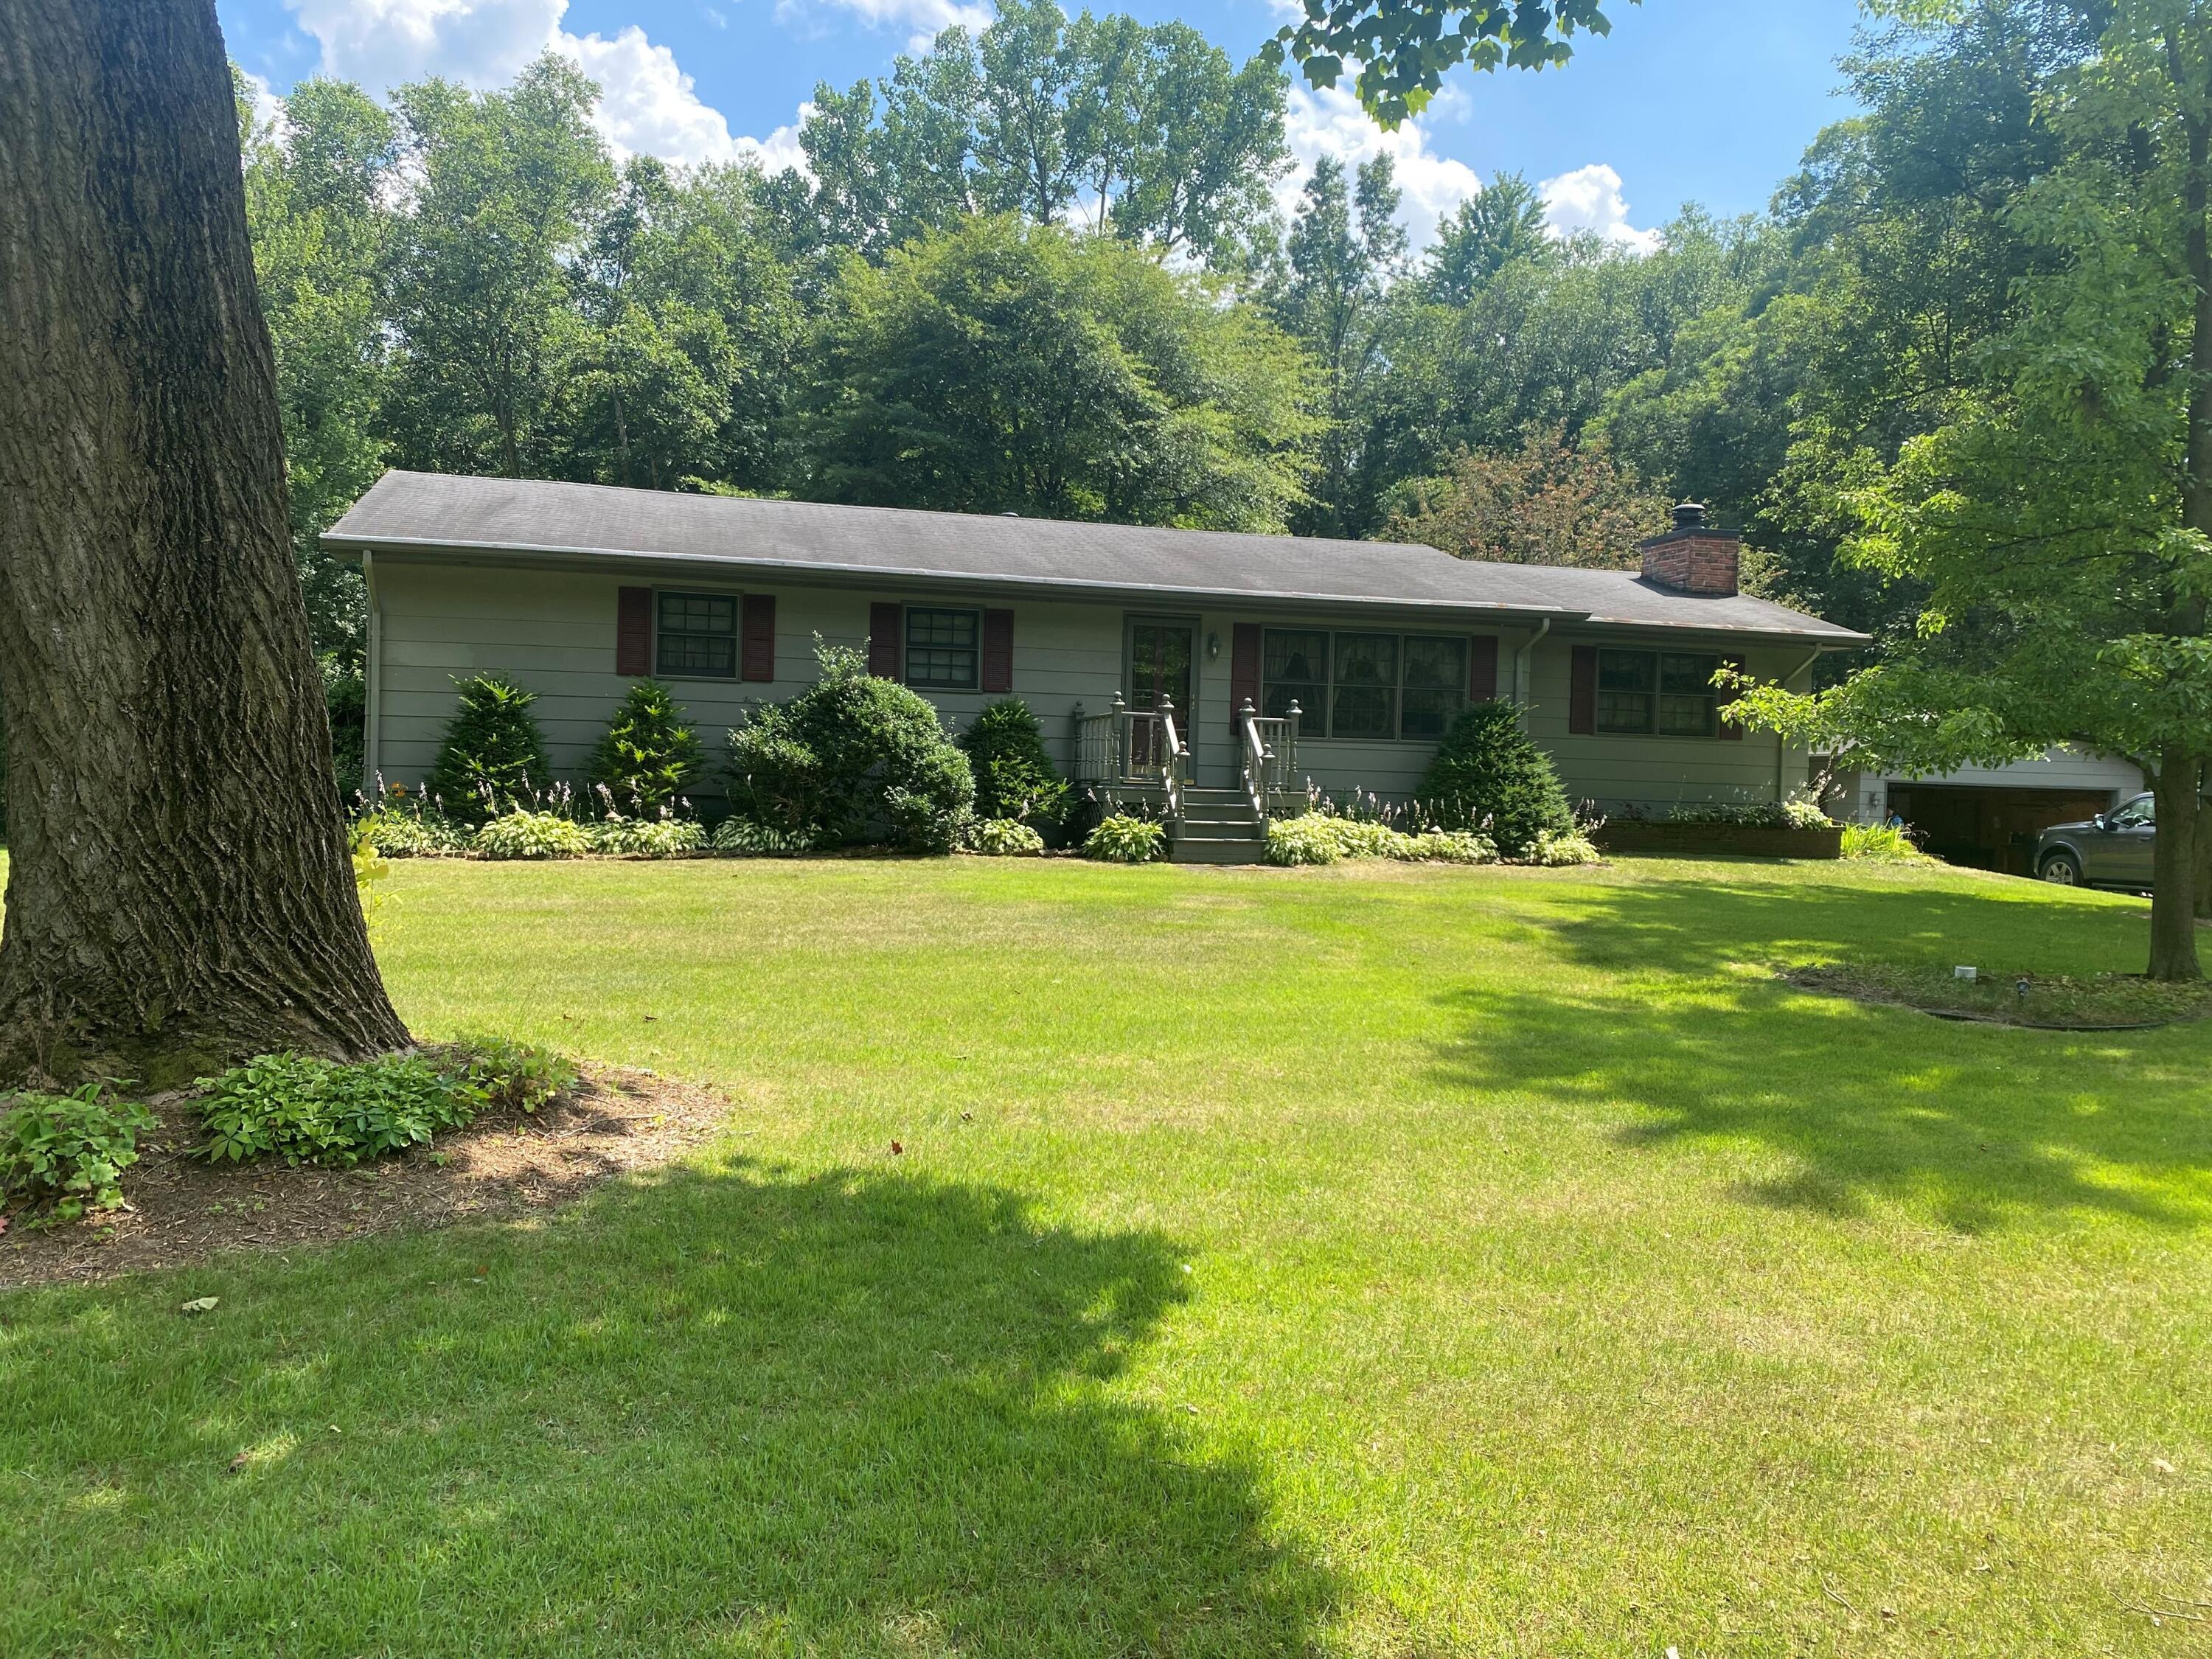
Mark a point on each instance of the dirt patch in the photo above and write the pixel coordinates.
(183, 1210)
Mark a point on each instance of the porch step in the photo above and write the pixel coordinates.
(1219, 827)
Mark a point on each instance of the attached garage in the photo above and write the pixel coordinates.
(1990, 828)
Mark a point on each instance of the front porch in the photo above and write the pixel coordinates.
(1142, 757)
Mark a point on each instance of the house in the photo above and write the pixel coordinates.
(574, 589)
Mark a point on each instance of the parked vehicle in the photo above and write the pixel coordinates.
(2111, 849)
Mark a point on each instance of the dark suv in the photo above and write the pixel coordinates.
(2114, 850)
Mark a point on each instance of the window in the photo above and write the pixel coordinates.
(941, 648)
(1366, 701)
(1436, 686)
(1367, 686)
(2142, 812)
(698, 635)
(1665, 693)
(1294, 668)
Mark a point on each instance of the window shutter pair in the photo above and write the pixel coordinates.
(1482, 669)
(887, 646)
(634, 635)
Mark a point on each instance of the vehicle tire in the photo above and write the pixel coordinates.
(2061, 870)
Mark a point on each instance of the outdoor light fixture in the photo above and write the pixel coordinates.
(1213, 647)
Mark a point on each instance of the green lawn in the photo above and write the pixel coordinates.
(1375, 1262)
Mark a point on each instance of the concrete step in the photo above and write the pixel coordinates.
(1197, 795)
(1208, 849)
(1225, 813)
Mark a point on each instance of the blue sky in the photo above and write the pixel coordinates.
(1710, 100)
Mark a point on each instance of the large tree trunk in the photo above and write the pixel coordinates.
(2178, 788)
(179, 890)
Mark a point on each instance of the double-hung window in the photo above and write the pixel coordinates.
(942, 648)
(1664, 694)
(1363, 686)
(697, 636)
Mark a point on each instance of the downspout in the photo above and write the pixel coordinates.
(371, 680)
(1781, 744)
(1521, 664)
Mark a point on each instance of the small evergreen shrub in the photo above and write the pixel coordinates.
(1002, 838)
(850, 758)
(1121, 839)
(1489, 775)
(1015, 777)
(646, 838)
(70, 1150)
(522, 834)
(511, 1075)
(649, 757)
(744, 836)
(493, 757)
(1567, 847)
(306, 1110)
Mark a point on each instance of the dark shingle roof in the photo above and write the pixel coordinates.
(437, 511)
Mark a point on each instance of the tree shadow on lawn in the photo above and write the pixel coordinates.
(729, 1412)
(1973, 1126)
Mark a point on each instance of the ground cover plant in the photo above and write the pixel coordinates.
(1371, 1260)
(62, 1154)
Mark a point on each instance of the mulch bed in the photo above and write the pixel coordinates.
(2111, 1002)
(182, 1211)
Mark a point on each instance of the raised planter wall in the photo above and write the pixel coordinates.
(1706, 840)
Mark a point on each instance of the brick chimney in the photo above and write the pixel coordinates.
(1693, 557)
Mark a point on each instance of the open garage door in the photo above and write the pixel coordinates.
(1989, 828)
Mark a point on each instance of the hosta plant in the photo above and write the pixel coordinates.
(648, 838)
(745, 837)
(1122, 839)
(526, 835)
(1002, 838)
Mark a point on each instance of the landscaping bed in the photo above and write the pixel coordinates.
(1706, 840)
(2101, 1002)
(183, 1209)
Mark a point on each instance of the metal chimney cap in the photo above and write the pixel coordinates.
(1690, 515)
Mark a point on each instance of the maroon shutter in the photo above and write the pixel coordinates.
(1243, 673)
(998, 650)
(885, 624)
(1730, 730)
(757, 660)
(1482, 669)
(633, 631)
(1582, 693)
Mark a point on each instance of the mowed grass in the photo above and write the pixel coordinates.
(1375, 1261)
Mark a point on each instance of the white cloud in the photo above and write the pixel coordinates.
(1329, 121)
(650, 105)
(1590, 199)
(268, 109)
(923, 20)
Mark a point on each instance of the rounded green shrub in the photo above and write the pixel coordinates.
(649, 757)
(852, 758)
(493, 757)
(1015, 777)
(1489, 776)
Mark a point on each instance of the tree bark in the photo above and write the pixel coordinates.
(179, 893)
(2178, 788)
